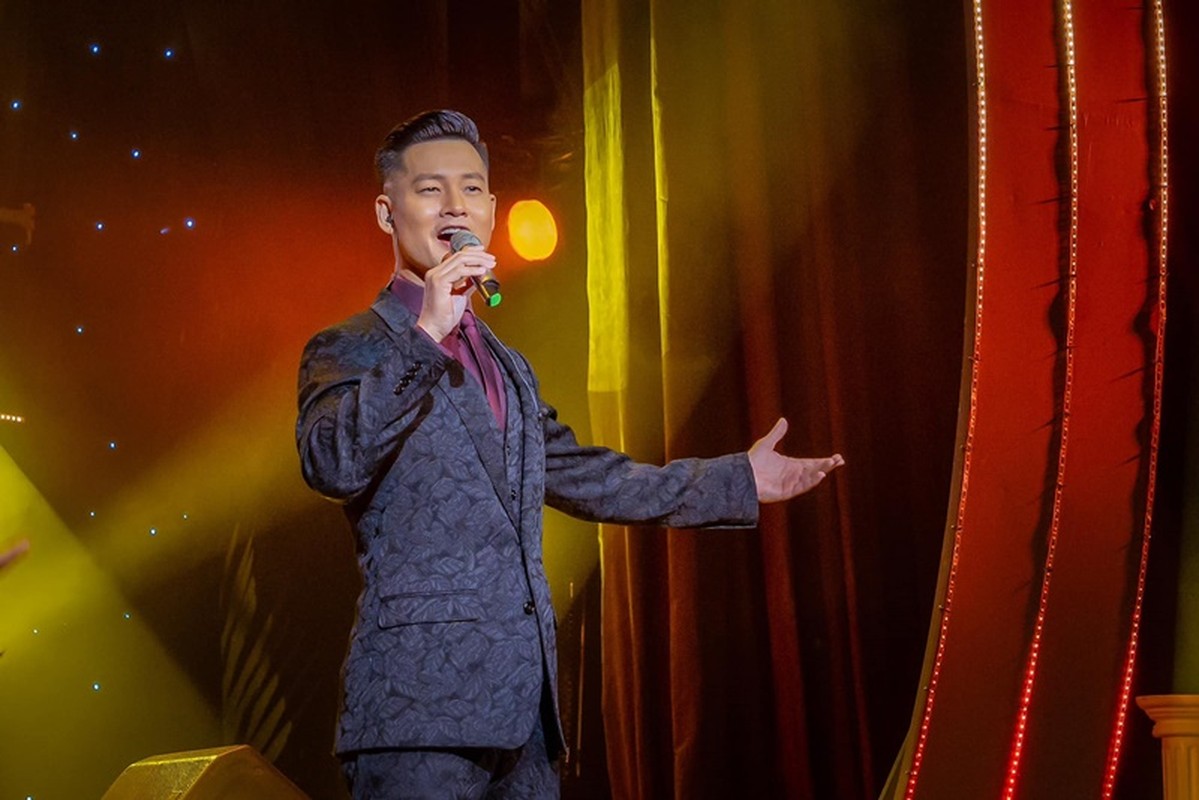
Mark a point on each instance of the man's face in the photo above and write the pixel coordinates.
(441, 189)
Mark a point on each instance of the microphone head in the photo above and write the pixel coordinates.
(463, 238)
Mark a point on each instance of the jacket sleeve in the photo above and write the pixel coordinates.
(359, 390)
(602, 485)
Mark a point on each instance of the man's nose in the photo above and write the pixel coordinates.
(454, 203)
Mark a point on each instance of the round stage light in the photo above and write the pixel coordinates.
(532, 230)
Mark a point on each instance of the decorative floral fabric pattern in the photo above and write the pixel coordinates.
(455, 627)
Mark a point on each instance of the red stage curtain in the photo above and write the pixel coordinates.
(782, 222)
(1029, 668)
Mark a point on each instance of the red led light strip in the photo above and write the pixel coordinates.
(968, 447)
(1034, 650)
(1162, 197)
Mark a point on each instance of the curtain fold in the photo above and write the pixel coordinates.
(771, 235)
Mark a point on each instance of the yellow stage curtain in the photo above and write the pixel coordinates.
(773, 230)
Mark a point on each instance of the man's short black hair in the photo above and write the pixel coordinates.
(426, 127)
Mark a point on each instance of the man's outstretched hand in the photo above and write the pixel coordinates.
(781, 477)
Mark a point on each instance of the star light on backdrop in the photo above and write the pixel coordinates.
(70, 605)
(131, 543)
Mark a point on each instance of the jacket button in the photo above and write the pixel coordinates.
(512, 494)
(529, 606)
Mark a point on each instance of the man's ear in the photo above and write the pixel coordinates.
(383, 215)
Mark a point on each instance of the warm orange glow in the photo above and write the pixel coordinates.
(532, 230)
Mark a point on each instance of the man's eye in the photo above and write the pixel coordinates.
(474, 189)
(427, 189)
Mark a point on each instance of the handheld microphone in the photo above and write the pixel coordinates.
(487, 284)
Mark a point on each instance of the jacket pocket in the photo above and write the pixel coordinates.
(414, 608)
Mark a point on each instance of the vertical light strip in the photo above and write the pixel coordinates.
(1034, 650)
(661, 198)
(968, 447)
(1161, 194)
(607, 245)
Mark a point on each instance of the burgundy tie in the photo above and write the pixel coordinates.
(475, 358)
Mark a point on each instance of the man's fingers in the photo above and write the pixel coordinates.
(457, 279)
(776, 433)
(452, 273)
(468, 257)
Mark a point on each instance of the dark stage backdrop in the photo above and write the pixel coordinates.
(790, 238)
(184, 588)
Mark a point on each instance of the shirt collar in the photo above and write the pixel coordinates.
(412, 295)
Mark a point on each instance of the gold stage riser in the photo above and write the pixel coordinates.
(220, 773)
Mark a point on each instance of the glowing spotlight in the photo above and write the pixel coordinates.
(168, 53)
(14, 418)
(15, 105)
(94, 48)
(532, 230)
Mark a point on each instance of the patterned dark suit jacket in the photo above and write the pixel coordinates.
(455, 628)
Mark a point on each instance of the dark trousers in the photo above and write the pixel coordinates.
(464, 773)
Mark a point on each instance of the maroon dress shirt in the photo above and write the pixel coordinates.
(464, 344)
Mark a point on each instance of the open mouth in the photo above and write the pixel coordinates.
(447, 233)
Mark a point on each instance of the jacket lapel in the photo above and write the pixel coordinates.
(521, 414)
(469, 403)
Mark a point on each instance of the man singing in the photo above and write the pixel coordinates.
(435, 437)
